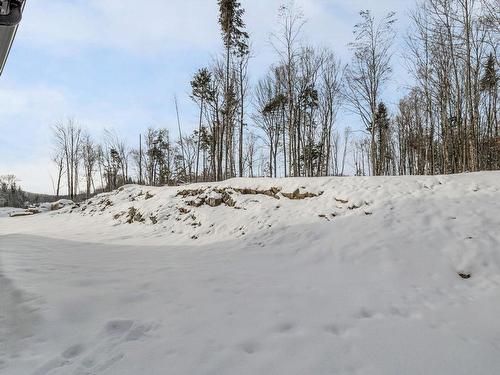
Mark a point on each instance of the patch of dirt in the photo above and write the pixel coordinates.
(134, 216)
(297, 195)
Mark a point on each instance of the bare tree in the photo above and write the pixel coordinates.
(287, 43)
(369, 70)
(90, 158)
(269, 103)
(330, 101)
(117, 148)
(68, 142)
(58, 159)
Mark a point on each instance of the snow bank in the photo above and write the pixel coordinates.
(236, 208)
(54, 206)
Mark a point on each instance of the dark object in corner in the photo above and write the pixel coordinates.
(11, 12)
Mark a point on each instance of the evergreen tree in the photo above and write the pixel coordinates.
(242, 54)
(490, 78)
(201, 93)
(235, 39)
(382, 125)
(489, 86)
(232, 25)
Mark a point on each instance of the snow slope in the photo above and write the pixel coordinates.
(362, 276)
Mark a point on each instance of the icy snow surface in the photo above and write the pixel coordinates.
(385, 276)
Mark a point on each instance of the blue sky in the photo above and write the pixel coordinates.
(110, 65)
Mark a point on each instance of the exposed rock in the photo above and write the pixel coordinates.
(198, 202)
(189, 193)
(118, 215)
(216, 197)
(131, 214)
(342, 200)
(55, 206)
(355, 206)
(228, 200)
(272, 192)
(184, 210)
(246, 191)
(134, 216)
(105, 203)
(61, 204)
(296, 195)
(214, 200)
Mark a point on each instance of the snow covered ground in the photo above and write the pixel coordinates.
(295, 276)
(6, 211)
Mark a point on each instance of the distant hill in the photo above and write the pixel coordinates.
(19, 198)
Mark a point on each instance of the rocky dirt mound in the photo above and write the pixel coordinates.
(200, 211)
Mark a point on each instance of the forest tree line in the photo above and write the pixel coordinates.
(285, 124)
(13, 195)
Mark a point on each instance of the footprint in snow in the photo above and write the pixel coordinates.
(118, 327)
(73, 351)
(336, 329)
(138, 332)
(250, 346)
(284, 327)
(364, 313)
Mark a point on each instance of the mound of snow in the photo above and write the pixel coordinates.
(222, 211)
(54, 206)
(241, 207)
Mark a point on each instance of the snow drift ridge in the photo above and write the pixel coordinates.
(238, 207)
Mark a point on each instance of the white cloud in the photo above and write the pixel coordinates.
(142, 28)
(41, 100)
